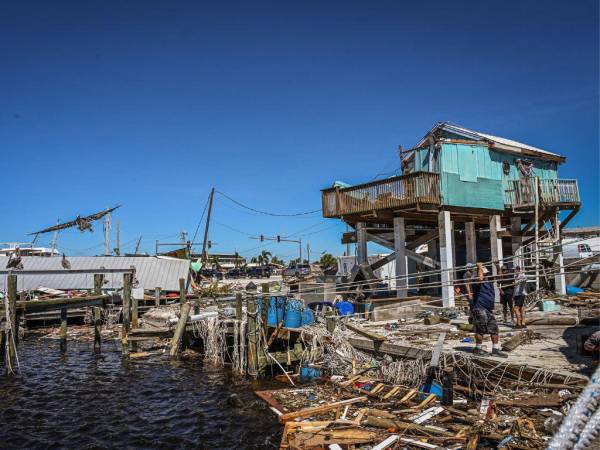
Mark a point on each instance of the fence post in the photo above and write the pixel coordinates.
(157, 296)
(127, 279)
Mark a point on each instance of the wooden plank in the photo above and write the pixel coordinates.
(366, 333)
(307, 412)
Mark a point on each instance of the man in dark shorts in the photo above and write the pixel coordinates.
(483, 313)
(506, 286)
(520, 291)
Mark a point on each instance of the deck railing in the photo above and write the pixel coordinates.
(552, 192)
(391, 193)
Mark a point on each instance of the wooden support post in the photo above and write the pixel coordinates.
(127, 280)
(182, 290)
(157, 291)
(496, 250)
(98, 283)
(516, 241)
(471, 242)
(265, 305)
(63, 330)
(330, 322)
(238, 306)
(251, 312)
(180, 328)
(446, 258)
(400, 259)
(11, 332)
(134, 312)
(97, 328)
(448, 387)
(361, 243)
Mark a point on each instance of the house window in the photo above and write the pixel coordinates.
(505, 167)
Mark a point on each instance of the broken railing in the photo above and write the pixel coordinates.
(555, 192)
(390, 193)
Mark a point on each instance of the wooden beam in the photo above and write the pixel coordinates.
(308, 412)
(366, 333)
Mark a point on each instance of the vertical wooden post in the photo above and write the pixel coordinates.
(97, 328)
(560, 284)
(238, 306)
(495, 251)
(97, 312)
(134, 312)
(127, 279)
(180, 328)
(182, 290)
(361, 244)
(251, 312)
(63, 330)
(448, 387)
(265, 306)
(12, 313)
(471, 242)
(330, 322)
(157, 291)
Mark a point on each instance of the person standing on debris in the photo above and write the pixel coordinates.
(484, 320)
(506, 286)
(519, 293)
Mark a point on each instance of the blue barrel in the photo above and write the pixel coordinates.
(345, 308)
(276, 310)
(308, 317)
(293, 313)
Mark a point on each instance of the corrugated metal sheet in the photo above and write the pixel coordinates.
(151, 272)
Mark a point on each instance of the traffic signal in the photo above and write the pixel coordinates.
(209, 244)
(278, 238)
(262, 238)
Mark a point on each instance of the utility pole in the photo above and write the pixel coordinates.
(308, 252)
(205, 241)
(300, 247)
(107, 235)
(537, 234)
(118, 247)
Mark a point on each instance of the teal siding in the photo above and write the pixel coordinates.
(472, 175)
(422, 160)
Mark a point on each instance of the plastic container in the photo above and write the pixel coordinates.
(276, 310)
(573, 290)
(548, 305)
(293, 313)
(308, 317)
(308, 373)
(432, 388)
(345, 308)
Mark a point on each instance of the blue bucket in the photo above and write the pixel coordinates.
(293, 313)
(345, 308)
(308, 317)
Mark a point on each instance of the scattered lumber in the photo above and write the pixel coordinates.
(366, 333)
(399, 425)
(307, 412)
(516, 340)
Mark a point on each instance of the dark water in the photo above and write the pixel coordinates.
(82, 400)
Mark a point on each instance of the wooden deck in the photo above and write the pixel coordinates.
(390, 194)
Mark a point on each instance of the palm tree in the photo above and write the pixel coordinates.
(327, 260)
(266, 257)
(254, 259)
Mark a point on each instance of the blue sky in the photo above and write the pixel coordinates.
(151, 103)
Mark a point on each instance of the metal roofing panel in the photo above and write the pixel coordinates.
(151, 272)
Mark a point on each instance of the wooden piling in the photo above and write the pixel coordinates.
(127, 279)
(97, 329)
(63, 330)
(448, 387)
(182, 290)
(265, 305)
(12, 310)
(134, 312)
(180, 328)
(238, 306)
(157, 291)
(97, 312)
(251, 312)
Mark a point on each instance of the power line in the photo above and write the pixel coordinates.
(267, 213)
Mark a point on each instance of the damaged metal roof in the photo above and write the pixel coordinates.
(498, 142)
(150, 272)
